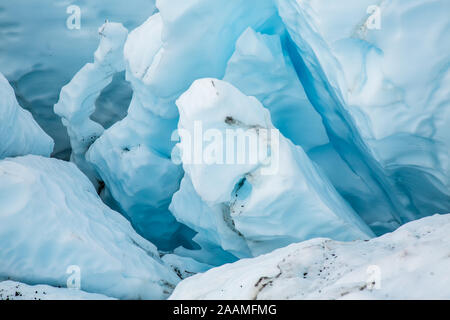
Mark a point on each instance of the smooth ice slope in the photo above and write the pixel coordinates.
(379, 76)
(411, 263)
(51, 218)
(39, 53)
(251, 208)
(20, 134)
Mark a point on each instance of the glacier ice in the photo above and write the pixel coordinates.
(382, 268)
(277, 88)
(347, 102)
(196, 43)
(252, 208)
(51, 218)
(140, 145)
(133, 156)
(39, 53)
(76, 102)
(19, 132)
(280, 90)
(385, 106)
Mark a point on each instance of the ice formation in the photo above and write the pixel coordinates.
(52, 218)
(42, 48)
(280, 90)
(277, 88)
(77, 99)
(350, 115)
(139, 146)
(382, 268)
(251, 208)
(133, 156)
(20, 134)
(384, 104)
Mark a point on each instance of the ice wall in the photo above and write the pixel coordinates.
(383, 98)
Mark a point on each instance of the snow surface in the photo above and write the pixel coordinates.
(12, 290)
(52, 218)
(410, 263)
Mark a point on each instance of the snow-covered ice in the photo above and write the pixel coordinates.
(411, 263)
(12, 290)
(51, 218)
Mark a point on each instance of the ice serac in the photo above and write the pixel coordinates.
(256, 205)
(411, 263)
(77, 99)
(279, 89)
(133, 156)
(51, 218)
(384, 99)
(185, 40)
(19, 132)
